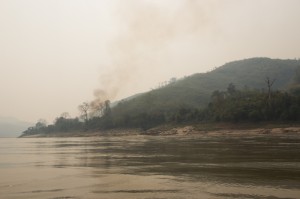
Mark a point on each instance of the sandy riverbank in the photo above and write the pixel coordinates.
(195, 130)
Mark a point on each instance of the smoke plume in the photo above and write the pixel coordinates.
(146, 28)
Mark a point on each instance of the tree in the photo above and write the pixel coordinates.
(41, 123)
(269, 85)
(84, 109)
(107, 109)
(172, 80)
(97, 108)
(65, 115)
(231, 89)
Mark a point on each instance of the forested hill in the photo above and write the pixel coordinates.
(195, 90)
(236, 91)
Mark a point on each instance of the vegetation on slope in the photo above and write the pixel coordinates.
(234, 92)
(195, 91)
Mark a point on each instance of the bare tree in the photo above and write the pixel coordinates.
(65, 115)
(269, 85)
(97, 107)
(84, 109)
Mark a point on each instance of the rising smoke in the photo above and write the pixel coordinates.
(145, 29)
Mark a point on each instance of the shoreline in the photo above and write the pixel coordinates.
(185, 130)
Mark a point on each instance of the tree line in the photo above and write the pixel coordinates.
(231, 105)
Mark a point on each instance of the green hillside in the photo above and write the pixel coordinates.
(195, 90)
(203, 97)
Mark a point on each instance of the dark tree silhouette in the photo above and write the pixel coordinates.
(84, 108)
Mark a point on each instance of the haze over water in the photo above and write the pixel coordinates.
(221, 167)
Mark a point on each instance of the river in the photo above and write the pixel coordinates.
(151, 167)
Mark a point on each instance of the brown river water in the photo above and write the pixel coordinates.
(151, 167)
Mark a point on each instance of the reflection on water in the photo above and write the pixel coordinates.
(260, 167)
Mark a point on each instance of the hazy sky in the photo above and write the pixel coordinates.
(54, 54)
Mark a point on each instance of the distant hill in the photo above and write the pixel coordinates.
(12, 127)
(194, 91)
(187, 99)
